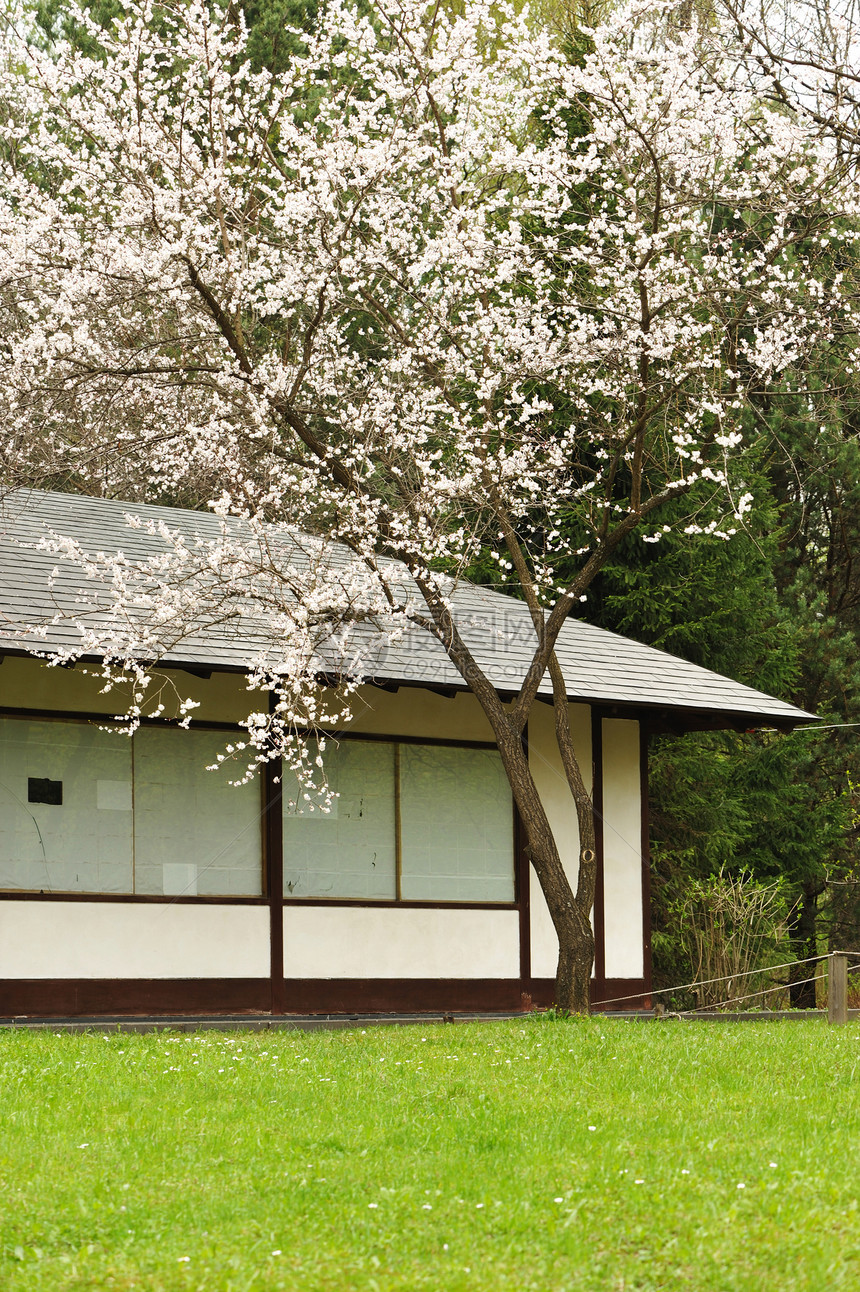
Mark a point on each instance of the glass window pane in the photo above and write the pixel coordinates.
(348, 851)
(457, 831)
(194, 832)
(65, 808)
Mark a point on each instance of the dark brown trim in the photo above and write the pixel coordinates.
(392, 738)
(401, 995)
(622, 993)
(273, 870)
(70, 997)
(646, 857)
(425, 995)
(76, 997)
(109, 719)
(597, 801)
(406, 903)
(675, 719)
(141, 899)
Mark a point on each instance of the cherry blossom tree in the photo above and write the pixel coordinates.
(807, 53)
(442, 289)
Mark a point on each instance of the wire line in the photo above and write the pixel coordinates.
(734, 1000)
(729, 977)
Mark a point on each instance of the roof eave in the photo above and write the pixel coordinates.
(660, 719)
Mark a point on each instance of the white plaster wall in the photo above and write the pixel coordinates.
(549, 777)
(363, 942)
(31, 684)
(622, 849)
(131, 940)
(411, 711)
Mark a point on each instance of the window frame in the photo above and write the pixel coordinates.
(81, 895)
(518, 862)
(271, 834)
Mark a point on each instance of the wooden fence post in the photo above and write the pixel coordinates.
(837, 988)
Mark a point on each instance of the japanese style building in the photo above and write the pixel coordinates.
(134, 881)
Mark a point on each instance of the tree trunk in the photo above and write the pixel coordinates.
(576, 960)
(569, 913)
(573, 976)
(574, 931)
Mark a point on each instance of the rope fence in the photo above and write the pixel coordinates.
(763, 991)
(836, 975)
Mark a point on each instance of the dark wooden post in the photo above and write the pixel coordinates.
(837, 988)
(273, 825)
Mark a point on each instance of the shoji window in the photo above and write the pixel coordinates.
(65, 808)
(87, 810)
(350, 850)
(417, 822)
(456, 825)
(194, 832)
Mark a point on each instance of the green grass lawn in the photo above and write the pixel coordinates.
(581, 1154)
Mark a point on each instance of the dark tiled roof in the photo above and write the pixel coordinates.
(599, 666)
